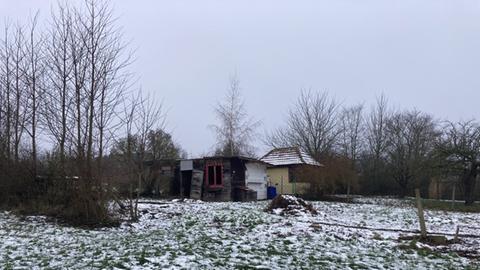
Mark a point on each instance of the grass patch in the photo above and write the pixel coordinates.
(447, 206)
(241, 236)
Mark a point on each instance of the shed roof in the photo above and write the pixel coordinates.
(289, 156)
(244, 158)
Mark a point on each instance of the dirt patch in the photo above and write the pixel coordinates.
(434, 244)
(432, 240)
(290, 205)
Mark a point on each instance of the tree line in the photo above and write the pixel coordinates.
(380, 150)
(68, 107)
(377, 150)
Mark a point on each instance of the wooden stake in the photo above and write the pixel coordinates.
(421, 217)
(455, 239)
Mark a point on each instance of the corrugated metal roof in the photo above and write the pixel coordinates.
(289, 156)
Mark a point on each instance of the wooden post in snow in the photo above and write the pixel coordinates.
(421, 217)
(455, 239)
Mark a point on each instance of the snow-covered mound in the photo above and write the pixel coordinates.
(290, 205)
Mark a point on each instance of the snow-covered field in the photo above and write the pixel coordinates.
(202, 235)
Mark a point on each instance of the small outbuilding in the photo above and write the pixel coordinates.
(287, 167)
(221, 178)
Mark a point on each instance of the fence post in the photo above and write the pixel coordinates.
(455, 239)
(421, 217)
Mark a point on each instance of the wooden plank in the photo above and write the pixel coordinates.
(196, 185)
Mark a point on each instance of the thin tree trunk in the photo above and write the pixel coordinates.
(101, 130)
(8, 89)
(91, 97)
(469, 181)
(33, 63)
(63, 133)
(17, 112)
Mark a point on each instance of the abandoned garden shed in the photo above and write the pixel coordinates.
(220, 178)
(289, 169)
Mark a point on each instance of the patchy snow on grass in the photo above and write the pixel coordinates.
(193, 234)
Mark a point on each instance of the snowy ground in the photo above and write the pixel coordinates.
(240, 235)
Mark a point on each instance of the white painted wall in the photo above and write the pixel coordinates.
(256, 179)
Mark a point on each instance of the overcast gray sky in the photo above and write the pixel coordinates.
(422, 54)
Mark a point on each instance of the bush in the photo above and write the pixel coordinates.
(70, 199)
(333, 177)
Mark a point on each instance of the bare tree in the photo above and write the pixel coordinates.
(90, 66)
(460, 146)
(98, 63)
(150, 117)
(57, 110)
(139, 118)
(312, 124)
(19, 101)
(71, 80)
(34, 77)
(376, 130)
(6, 92)
(411, 138)
(77, 52)
(374, 177)
(235, 130)
(351, 136)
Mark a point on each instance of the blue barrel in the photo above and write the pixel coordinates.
(271, 192)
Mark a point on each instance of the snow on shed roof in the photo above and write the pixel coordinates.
(289, 156)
